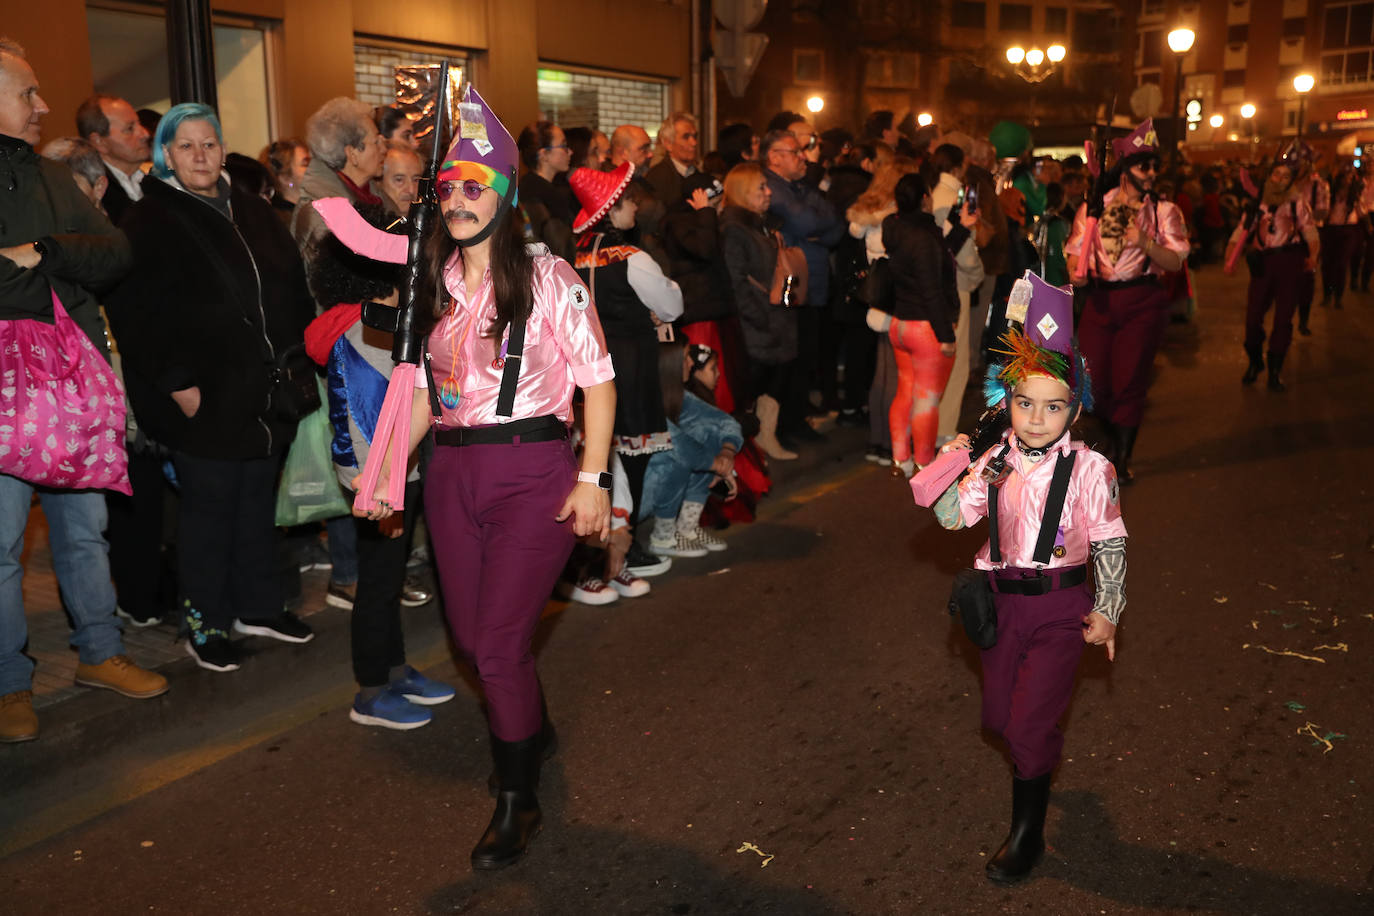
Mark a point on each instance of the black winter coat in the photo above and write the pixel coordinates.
(691, 239)
(39, 201)
(923, 272)
(751, 255)
(210, 303)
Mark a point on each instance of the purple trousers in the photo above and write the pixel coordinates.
(1119, 334)
(498, 551)
(1028, 676)
(1280, 286)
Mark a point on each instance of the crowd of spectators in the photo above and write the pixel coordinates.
(780, 283)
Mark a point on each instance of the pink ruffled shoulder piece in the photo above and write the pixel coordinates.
(358, 234)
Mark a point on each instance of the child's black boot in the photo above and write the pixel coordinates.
(1276, 367)
(1125, 444)
(1030, 798)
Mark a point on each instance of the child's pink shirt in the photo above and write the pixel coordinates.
(1092, 507)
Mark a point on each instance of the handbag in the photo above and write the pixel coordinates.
(972, 596)
(310, 490)
(295, 385)
(61, 407)
(790, 276)
(877, 291)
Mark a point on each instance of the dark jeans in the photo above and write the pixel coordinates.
(227, 538)
(135, 536)
(378, 645)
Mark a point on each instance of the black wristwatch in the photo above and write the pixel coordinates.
(603, 480)
(42, 251)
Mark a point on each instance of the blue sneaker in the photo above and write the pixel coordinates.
(388, 709)
(417, 688)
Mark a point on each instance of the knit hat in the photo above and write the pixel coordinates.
(1043, 346)
(597, 192)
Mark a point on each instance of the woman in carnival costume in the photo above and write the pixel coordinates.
(513, 334)
(1037, 570)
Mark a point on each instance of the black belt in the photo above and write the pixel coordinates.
(1044, 582)
(533, 429)
(1142, 280)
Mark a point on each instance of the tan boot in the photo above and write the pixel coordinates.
(17, 719)
(766, 409)
(120, 674)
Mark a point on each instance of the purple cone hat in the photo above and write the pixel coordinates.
(1140, 140)
(483, 150)
(1043, 346)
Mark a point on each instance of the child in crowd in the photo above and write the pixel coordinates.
(1052, 503)
(391, 694)
(705, 441)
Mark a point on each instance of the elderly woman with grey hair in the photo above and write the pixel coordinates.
(85, 163)
(347, 153)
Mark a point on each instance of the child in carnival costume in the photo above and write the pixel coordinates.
(1046, 611)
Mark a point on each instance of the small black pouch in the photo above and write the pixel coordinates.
(295, 394)
(971, 598)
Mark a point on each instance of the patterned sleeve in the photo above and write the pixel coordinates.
(577, 329)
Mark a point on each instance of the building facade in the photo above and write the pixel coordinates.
(589, 62)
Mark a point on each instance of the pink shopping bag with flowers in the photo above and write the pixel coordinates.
(61, 407)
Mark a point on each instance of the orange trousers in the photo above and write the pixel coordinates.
(922, 372)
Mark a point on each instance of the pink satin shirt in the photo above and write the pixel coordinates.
(1092, 507)
(1280, 227)
(564, 348)
(1160, 221)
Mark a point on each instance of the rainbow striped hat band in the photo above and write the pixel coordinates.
(483, 150)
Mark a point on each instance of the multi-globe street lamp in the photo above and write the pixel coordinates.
(1035, 65)
(1180, 42)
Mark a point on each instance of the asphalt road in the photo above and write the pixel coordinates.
(792, 726)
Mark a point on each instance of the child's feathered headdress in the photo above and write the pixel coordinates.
(1045, 346)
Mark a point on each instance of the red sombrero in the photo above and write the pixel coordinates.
(597, 192)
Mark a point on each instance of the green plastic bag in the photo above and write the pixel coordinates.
(310, 490)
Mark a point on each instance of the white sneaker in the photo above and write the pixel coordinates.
(629, 585)
(680, 546)
(588, 590)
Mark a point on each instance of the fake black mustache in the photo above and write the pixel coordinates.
(455, 216)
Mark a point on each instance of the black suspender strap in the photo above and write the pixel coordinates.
(1054, 508)
(434, 407)
(994, 497)
(505, 401)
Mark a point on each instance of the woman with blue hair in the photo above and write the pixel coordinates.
(216, 299)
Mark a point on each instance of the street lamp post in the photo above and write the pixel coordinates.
(1180, 42)
(1303, 83)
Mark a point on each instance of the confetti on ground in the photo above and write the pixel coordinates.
(1274, 611)
(146, 843)
(1338, 647)
(1272, 588)
(1311, 729)
(1221, 600)
(1295, 706)
(750, 847)
(1291, 626)
(1302, 601)
(1254, 624)
(1310, 658)
(717, 572)
(1336, 556)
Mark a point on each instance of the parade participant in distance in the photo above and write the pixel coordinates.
(1036, 567)
(1138, 239)
(1342, 236)
(1282, 237)
(1312, 188)
(514, 333)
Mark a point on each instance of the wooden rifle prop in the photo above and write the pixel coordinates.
(1097, 201)
(391, 437)
(1251, 220)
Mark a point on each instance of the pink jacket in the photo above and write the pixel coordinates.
(1161, 221)
(1092, 507)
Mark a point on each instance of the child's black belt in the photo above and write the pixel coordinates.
(1013, 582)
(533, 429)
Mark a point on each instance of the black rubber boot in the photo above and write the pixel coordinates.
(517, 816)
(1255, 368)
(1030, 798)
(1125, 444)
(548, 746)
(1275, 367)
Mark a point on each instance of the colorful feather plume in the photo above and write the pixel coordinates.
(1027, 358)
